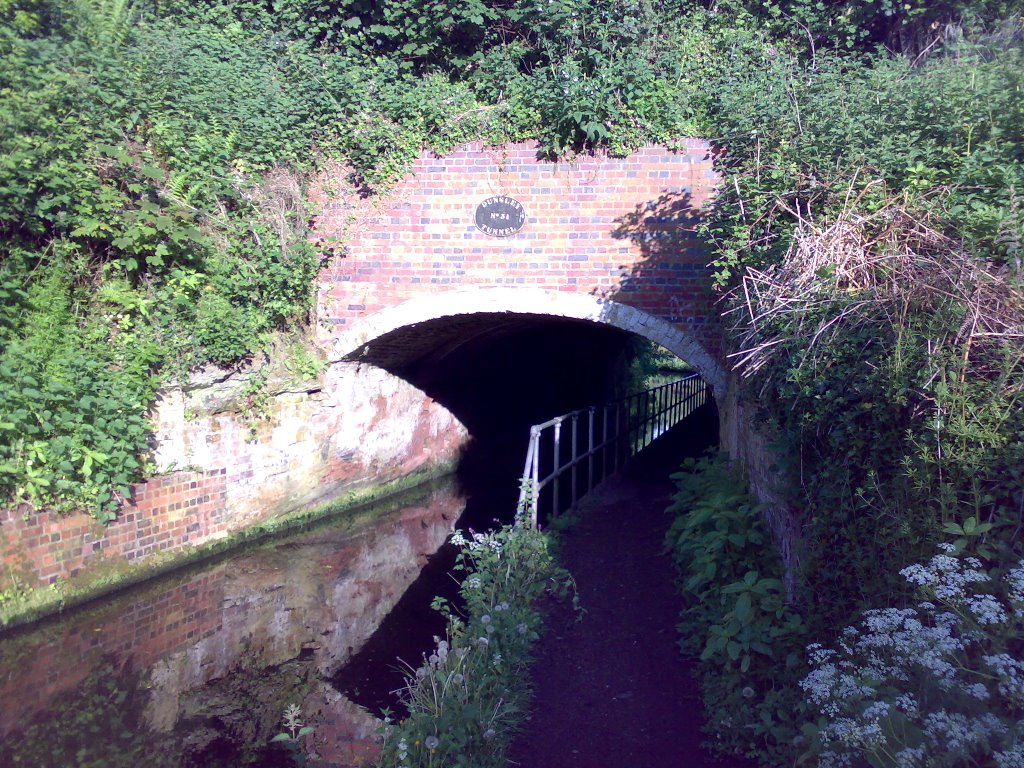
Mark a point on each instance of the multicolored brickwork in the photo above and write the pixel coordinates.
(622, 229)
(616, 229)
(167, 513)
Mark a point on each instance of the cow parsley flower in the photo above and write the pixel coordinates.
(1013, 758)
(932, 664)
(986, 609)
(910, 757)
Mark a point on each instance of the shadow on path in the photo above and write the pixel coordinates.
(613, 691)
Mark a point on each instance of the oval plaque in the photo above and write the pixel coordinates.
(500, 216)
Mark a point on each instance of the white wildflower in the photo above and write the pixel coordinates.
(910, 757)
(986, 609)
(1010, 675)
(977, 691)
(1015, 587)
(1013, 758)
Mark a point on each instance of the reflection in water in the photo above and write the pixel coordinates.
(488, 476)
(196, 669)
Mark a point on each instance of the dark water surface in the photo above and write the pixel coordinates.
(197, 667)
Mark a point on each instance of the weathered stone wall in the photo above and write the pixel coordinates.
(357, 427)
(750, 448)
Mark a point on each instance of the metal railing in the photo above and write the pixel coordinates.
(596, 445)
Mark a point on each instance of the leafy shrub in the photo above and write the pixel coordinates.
(134, 244)
(467, 697)
(74, 430)
(106, 705)
(803, 140)
(875, 197)
(911, 28)
(902, 415)
(736, 615)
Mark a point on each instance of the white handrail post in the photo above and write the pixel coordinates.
(557, 467)
(572, 458)
(604, 442)
(535, 432)
(590, 448)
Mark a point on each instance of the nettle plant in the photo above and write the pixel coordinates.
(940, 683)
(737, 619)
(466, 699)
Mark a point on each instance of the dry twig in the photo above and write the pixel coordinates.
(870, 269)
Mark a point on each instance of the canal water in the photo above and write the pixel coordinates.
(197, 668)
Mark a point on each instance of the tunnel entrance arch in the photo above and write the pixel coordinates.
(373, 338)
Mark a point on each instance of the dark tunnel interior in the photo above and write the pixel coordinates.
(501, 373)
(498, 374)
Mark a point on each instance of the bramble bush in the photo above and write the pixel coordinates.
(868, 225)
(122, 261)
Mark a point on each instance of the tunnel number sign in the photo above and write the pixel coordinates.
(500, 216)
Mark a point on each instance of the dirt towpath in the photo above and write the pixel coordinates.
(612, 690)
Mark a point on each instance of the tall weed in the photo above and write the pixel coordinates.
(749, 639)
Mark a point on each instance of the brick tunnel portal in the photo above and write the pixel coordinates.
(499, 373)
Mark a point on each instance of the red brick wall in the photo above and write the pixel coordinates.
(349, 436)
(622, 229)
(167, 513)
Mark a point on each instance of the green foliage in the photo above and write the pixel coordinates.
(467, 697)
(14, 593)
(74, 429)
(736, 615)
(803, 139)
(137, 243)
(894, 425)
(890, 406)
(869, 202)
(910, 28)
(293, 734)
